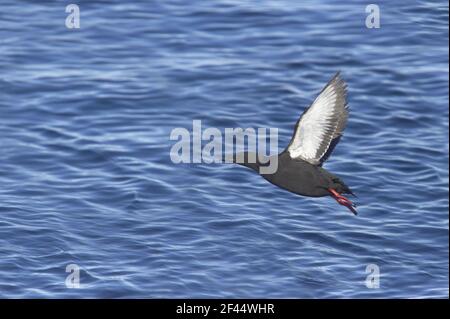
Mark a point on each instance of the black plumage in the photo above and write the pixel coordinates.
(317, 132)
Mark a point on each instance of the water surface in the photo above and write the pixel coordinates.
(85, 119)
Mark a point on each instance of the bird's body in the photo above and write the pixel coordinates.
(316, 133)
(301, 177)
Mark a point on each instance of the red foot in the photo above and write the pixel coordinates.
(343, 201)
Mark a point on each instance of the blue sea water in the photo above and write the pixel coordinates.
(85, 170)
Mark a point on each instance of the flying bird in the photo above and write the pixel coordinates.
(316, 134)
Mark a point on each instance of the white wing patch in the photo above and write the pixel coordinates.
(321, 123)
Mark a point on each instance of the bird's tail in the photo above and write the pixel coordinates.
(342, 188)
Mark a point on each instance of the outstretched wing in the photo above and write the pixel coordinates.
(321, 125)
